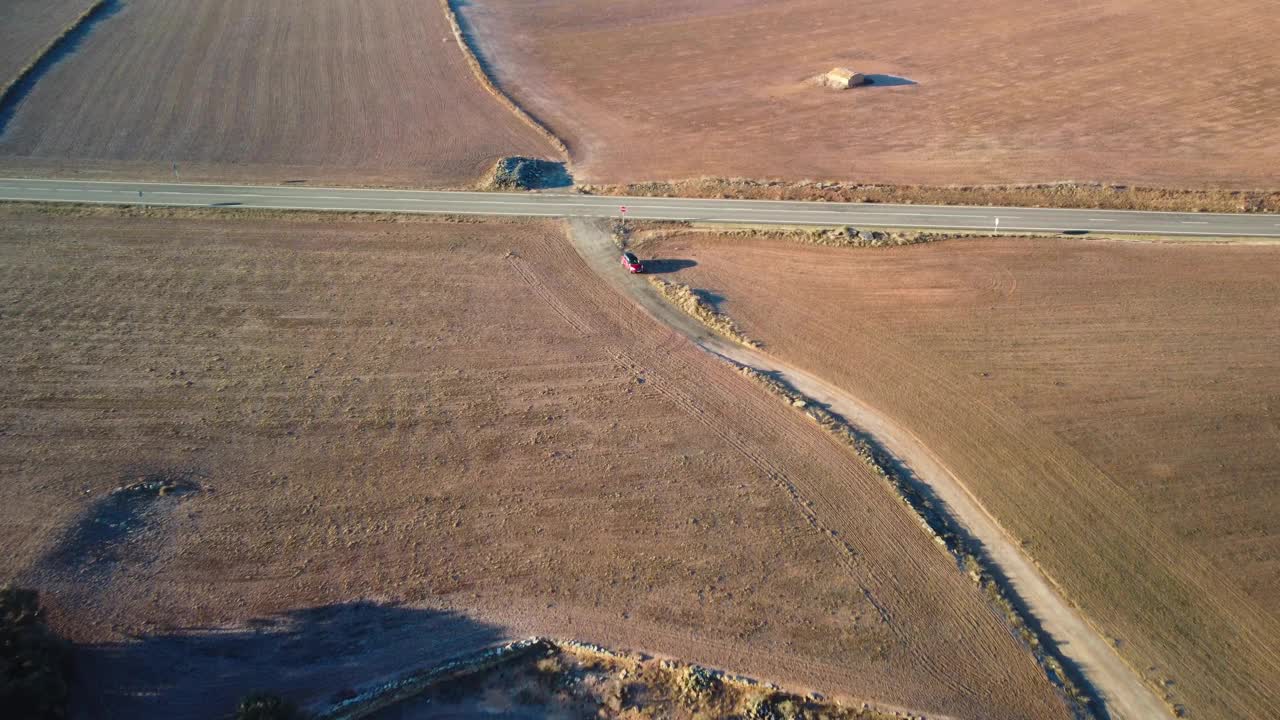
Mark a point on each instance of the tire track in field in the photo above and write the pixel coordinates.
(1121, 689)
(693, 409)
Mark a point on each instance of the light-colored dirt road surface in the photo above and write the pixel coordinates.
(1112, 405)
(460, 418)
(28, 26)
(371, 92)
(1136, 91)
(1120, 689)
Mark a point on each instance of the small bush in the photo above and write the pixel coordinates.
(265, 706)
(697, 685)
(35, 664)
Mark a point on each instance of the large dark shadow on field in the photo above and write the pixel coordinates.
(61, 49)
(940, 517)
(323, 654)
(116, 527)
(664, 266)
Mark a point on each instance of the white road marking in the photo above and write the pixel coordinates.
(373, 200)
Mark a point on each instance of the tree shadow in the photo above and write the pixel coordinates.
(61, 49)
(313, 656)
(878, 80)
(114, 526)
(663, 266)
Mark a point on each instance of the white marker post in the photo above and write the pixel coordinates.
(997, 225)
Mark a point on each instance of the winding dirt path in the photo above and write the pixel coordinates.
(1121, 690)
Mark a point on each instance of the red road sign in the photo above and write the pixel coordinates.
(623, 208)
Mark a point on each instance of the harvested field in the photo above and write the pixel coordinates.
(401, 438)
(374, 92)
(1007, 91)
(1114, 405)
(27, 27)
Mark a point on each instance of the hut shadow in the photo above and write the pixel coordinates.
(318, 655)
(61, 49)
(664, 266)
(878, 80)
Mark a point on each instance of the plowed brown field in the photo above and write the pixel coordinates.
(28, 26)
(1007, 90)
(371, 92)
(460, 416)
(1115, 405)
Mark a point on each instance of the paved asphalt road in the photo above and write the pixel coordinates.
(299, 197)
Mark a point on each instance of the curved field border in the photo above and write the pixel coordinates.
(13, 91)
(477, 68)
(1029, 602)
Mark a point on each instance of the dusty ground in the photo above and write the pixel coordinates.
(411, 436)
(372, 92)
(556, 681)
(1113, 404)
(27, 26)
(1134, 91)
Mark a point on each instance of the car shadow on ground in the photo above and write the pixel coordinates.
(664, 266)
(316, 655)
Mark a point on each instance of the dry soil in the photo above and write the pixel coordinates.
(374, 92)
(1135, 91)
(27, 27)
(406, 437)
(1113, 404)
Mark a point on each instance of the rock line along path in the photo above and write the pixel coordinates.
(1121, 690)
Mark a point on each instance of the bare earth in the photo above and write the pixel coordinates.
(374, 92)
(1007, 91)
(27, 27)
(1112, 404)
(410, 437)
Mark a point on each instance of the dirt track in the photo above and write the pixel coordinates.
(374, 447)
(1124, 693)
(1108, 402)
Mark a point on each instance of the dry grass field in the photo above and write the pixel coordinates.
(1133, 91)
(313, 412)
(1115, 405)
(374, 92)
(27, 27)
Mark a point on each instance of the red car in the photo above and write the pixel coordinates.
(632, 263)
